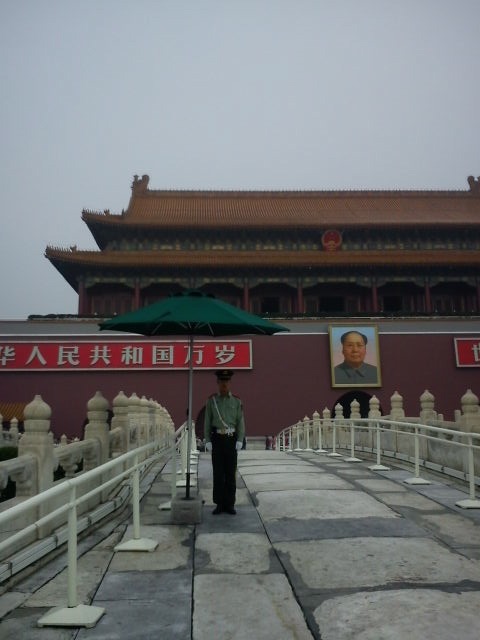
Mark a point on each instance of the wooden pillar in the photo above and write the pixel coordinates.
(428, 298)
(374, 296)
(136, 298)
(300, 305)
(246, 299)
(82, 299)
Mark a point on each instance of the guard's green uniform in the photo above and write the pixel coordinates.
(224, 426)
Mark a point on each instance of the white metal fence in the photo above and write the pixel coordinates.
(455, 453)
(71, 496)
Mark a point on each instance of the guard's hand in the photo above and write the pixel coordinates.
(238, 445)
(208, 446)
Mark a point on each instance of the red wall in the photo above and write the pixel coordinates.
(290, 379)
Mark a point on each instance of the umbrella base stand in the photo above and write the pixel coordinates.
(186, 510)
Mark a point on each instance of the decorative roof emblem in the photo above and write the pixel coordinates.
(331, 240)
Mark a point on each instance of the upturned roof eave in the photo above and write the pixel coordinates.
(99, 224)
(218, 259)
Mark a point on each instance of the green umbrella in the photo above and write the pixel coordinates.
(191, 313)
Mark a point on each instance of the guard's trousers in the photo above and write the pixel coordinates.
(224, 462)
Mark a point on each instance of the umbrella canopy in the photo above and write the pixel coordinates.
(191, 313)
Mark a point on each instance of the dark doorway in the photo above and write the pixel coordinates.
(270, 304)
(361, 397)
(392, 303)
(331, 304)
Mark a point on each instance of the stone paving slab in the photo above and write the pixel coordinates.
(11, 600)
(448, 496)
(260, 456)
(247, 607)
(354, 472)
(22, 624)
(423, 614)
(380, 485)
(143, 585)
(357, 563)
(242, 497)
(334, 504)
(334, 463)
(246, 471)
(409, 499)
(246, 463)
(281, 482)
(249, 553)
(453, 529)
(143, 605)
(247, 520)
(320, 529)
(173, 551)
(143, 620)
(90, 570)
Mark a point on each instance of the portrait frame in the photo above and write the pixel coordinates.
(342, 376)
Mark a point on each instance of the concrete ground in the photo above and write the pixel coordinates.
(320, 548)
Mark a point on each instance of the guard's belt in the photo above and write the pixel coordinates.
(224, 432)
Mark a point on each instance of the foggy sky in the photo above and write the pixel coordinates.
(226, 94)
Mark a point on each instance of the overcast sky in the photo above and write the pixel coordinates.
(220, 94)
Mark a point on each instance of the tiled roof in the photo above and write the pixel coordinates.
(262, 258)
(9, 410)
(321, 209)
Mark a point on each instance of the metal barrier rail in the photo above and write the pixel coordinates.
(129, 464)
(74, 614)
(300, 431)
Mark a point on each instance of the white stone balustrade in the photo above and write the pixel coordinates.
(397, 440)
(38, 456)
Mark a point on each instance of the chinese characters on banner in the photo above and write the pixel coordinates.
(68, 355)
(467, 352)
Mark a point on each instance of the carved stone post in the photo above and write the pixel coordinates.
(167, 426)
(133, 421)
(158, 422)
(143, 423)
(316, 434)
(38, 442)
(355, 409)
(151, 421)
(306, 433)
(427, 402)
(327, 426)
(97, 426)
(396, 407)
(374, 408)
(339, 430)
(14, 432)
(470, 419)
(120, 418)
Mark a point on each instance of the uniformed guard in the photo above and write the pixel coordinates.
(224, 432)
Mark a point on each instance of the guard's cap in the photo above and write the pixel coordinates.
(224, 374)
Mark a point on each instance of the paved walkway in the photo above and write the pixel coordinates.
(319, 548)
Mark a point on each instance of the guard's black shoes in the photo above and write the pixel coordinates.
(217, 510)
(231, 511)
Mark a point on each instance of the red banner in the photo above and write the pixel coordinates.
(467, 352)
(107, 355)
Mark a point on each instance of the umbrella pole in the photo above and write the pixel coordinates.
(189, 418)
